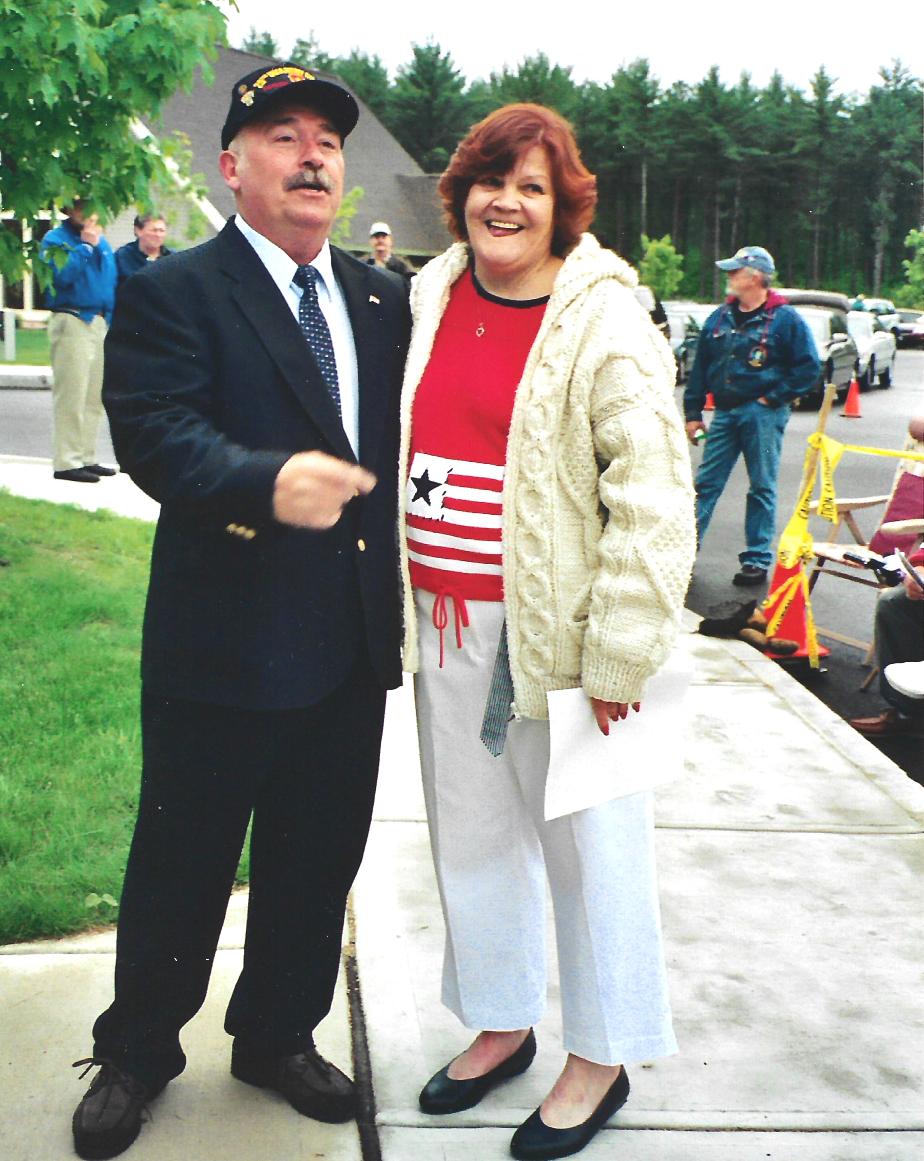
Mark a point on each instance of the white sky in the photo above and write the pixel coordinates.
(681, 38)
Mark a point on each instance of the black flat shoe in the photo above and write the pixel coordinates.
(78, 476)
(442, 1094)
(535, 1141)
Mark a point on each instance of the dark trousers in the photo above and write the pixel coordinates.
(899, 637)
(308, 778)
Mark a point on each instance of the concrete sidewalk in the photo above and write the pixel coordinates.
(790, 863)
(33, 477)
(23, 377)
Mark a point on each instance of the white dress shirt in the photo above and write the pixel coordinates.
(281, 268)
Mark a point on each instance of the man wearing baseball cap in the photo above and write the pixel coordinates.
(252, 386)
(382, 243)
(755, 356)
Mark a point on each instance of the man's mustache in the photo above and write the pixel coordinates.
(310, 178)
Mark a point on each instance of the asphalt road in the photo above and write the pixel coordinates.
(846, 608)
(25, 429)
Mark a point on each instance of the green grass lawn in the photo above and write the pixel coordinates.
(31, 348)
(71, 597)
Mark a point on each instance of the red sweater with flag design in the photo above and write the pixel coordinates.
(460, 423)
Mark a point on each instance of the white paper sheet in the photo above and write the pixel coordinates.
(642, 751)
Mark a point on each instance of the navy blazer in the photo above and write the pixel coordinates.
(210, 386)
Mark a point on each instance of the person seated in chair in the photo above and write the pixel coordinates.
(899, 638)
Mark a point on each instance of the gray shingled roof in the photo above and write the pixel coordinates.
(396, 188)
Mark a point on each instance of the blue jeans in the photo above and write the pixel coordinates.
(756, 432)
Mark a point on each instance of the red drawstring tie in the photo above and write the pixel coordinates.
(441, 617)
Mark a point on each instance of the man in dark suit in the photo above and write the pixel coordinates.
(252, 386)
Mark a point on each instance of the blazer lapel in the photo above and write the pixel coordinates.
(368, 335)
(258, 298)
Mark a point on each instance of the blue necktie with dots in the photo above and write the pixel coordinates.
(315, 329)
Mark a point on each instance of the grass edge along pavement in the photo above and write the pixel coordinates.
(32, 349)
(72, 590)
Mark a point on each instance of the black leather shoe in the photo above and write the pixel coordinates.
(750, 574)
(100, 470)
(78, 476)
(312, 1085)
(442, 1094)
(109, 1117)
(535, 1141)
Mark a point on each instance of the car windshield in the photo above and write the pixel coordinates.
(694, 316)
(818, 322)
(859, 326)
(684, 317)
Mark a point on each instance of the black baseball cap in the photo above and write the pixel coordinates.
(254, 94)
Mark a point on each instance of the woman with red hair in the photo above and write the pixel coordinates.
(549, 525)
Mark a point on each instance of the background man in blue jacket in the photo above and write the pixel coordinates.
(148, 246)
(80, 298)
(755, 355)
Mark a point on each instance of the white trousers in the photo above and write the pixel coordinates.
(492, 850)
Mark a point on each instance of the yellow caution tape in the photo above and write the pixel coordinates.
(918, 457)
(796, 544)
(786, 594)
(829, 453)
(796, 540)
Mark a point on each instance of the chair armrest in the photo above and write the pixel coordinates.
(912, 527)
(851, 505)
(828, 550)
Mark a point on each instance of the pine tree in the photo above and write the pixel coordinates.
(260, 43)
(429, 109)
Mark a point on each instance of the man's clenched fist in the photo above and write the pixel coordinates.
(313, 488)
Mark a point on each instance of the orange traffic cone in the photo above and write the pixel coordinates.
(792, 626)
(709, 405)
(852, 405)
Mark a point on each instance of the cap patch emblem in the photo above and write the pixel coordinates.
(268, 81)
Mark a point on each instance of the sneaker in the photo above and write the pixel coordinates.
(109, 1117)
(750, 574)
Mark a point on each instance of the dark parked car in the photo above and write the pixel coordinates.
(916, 338)
(908, 321)
(832, 299)
(836, 350)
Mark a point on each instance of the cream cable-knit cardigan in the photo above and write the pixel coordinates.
(598, 526)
